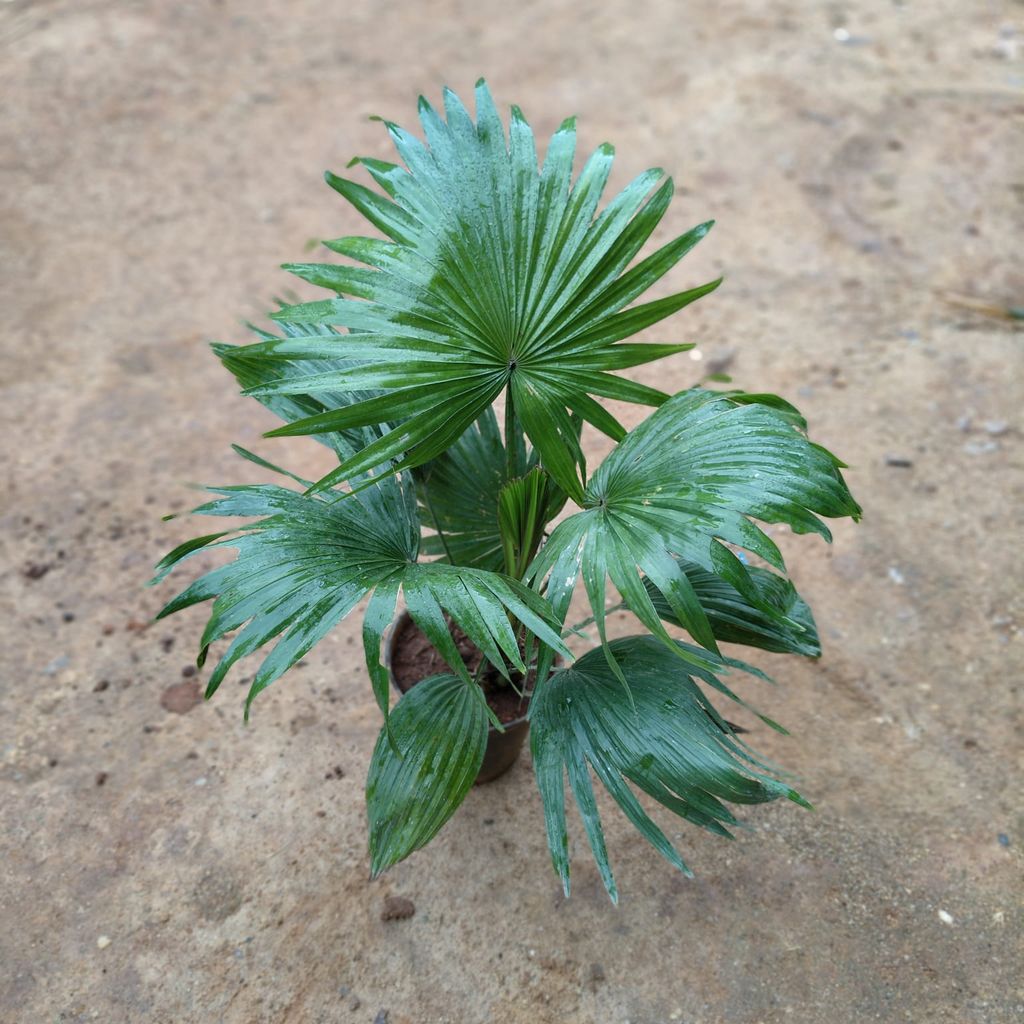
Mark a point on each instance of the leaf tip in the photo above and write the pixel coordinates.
(792, 794)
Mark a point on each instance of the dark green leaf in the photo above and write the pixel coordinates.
(663, 737)
(736, 620)
(681, 486)
(307, 561)
(497, 275)
(417, 781)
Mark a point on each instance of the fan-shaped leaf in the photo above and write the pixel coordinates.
(689, 478)
(665, 739)
(309, 560)
(438, 732)
(498, 275)
(736, 620)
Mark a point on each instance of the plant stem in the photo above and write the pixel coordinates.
(511, 448)
(437, 524)
(593, 618)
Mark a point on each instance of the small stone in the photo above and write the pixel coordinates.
(354, 1003)
(36, 570)
(1003, 839)
(981, 447)
(996, 427)
(101, 778)
(181, 698)
(103, 684)
(68, 616)
(167, 642)
(382, 1017)
(898, 461)
(722, 362)
(596, 974)
(945, 917)
(397, 908)
(103, 941)
(188, 671)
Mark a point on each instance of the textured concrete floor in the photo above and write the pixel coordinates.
(157, 162)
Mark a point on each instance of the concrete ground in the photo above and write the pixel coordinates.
(162, 863)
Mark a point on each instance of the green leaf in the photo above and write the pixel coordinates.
(266, 363)
(459, 496)
(497, 275)
(681, 487)
(523, 511)
(417, 781)
(306, 562)
(736, 620)
(664, 738)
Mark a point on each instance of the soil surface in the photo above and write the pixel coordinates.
(414, 659)
(162, 862)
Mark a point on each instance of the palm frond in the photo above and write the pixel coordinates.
(685, 483)
(498, 275)
(734, 619)
(662, 735)
(308, 560)
(423, 767)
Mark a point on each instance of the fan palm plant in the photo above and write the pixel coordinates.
(501, 282)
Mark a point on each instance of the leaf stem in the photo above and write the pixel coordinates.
(511, 448)
(436, 521)
(590, 620)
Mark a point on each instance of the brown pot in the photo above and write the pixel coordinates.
(502, 747)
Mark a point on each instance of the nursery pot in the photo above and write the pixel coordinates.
(502, 747)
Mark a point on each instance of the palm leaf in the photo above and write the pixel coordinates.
(663, 737)
(461, 490)
(682, 485)
(308, 560)
(498, 275)
(734, 619)
(422, 771)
